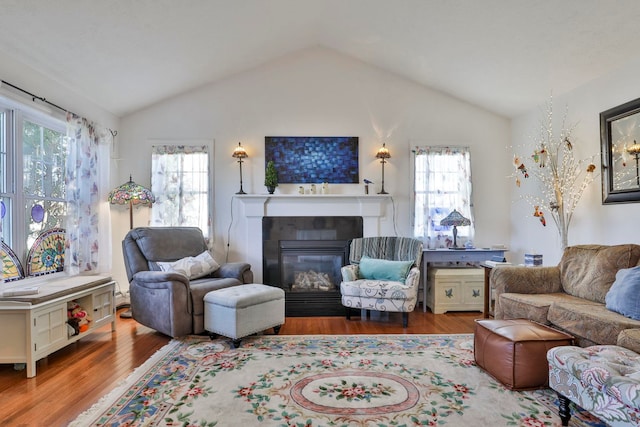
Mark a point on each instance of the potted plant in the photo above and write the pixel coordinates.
(271, 177)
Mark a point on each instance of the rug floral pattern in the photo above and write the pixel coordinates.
(405, 380)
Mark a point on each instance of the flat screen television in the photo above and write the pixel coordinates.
(313, 159)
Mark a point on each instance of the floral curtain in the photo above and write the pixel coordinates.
(88, 221)
(442, 183)
(180, 182)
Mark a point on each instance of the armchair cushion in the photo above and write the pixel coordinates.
(624, 295)
(192, 267)
(382, 269)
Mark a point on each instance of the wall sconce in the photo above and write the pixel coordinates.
(132, 194)
(456, 219)
(383, 154)
(240, 153)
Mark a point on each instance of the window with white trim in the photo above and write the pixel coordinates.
(442, 183)
(180, 183)
(33, 150)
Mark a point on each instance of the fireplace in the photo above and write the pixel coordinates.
(303, 256)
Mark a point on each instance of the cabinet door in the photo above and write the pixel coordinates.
(49, 328)
(474, 293)
(102, 305)
(449, 292)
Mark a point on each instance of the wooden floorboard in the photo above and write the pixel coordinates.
(70, 380)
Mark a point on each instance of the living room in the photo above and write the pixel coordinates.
(315, 85)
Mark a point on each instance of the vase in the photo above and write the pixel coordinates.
(562, 222)
(271, 189)
(563, 231)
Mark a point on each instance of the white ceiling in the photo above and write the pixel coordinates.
(504, 55)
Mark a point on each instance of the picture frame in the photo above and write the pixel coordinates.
(620, 145)
(314, 159)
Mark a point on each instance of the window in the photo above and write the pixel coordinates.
(32, 201)
(180, 184)
(442, 183)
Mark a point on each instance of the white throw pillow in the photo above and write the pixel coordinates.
(192, 267)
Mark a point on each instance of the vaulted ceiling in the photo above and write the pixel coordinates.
(504, 55)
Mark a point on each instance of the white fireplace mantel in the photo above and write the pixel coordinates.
(372, 208)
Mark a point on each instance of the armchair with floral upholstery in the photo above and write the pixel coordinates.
(383, 275)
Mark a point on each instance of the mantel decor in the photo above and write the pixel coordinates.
(240, 153)
(383, 154)
(620, 140)
(271, 177)
(561, 178)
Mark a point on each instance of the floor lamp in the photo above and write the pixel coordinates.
(131, 194)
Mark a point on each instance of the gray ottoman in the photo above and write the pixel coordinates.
(239, 311)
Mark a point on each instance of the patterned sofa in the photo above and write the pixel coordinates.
(571, 296)
(604, 380)
(603, 374)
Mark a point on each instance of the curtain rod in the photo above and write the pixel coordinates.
(39, 98)
(42, 99)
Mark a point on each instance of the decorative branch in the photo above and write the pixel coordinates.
(562, 178)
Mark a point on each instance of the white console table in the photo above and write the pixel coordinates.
(452, 255)
(34, 326)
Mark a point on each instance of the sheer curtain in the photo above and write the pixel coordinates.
(88, 222)
(442, 183)
(180, 183)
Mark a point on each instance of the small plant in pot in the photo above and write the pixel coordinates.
(271, 177)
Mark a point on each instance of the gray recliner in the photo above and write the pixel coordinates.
(168, 301)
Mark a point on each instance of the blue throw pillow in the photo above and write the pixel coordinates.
(624, 295)
(382, 269)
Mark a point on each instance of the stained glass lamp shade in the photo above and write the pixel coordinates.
(132, 194)
(456, 219)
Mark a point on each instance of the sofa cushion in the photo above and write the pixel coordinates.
(624, 295)
(588, 271)
(591, 321)
(377, 289)
(529, 306)
(382, 269)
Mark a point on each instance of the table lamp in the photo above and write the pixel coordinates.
(456, 219)
(240, 153)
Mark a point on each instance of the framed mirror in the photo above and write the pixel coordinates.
(620, 142)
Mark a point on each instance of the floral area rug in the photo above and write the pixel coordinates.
(353, 380)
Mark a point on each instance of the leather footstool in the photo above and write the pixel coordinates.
(514, 351)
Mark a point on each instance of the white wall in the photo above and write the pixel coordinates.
(592, 222)
(319, 92)
(32, 81)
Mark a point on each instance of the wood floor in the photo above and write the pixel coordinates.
(70, 380)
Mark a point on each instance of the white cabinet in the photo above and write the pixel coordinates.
(455, 289)
(34, 326)
(49, 329)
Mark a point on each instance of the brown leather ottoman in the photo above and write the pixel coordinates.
(514, 351)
